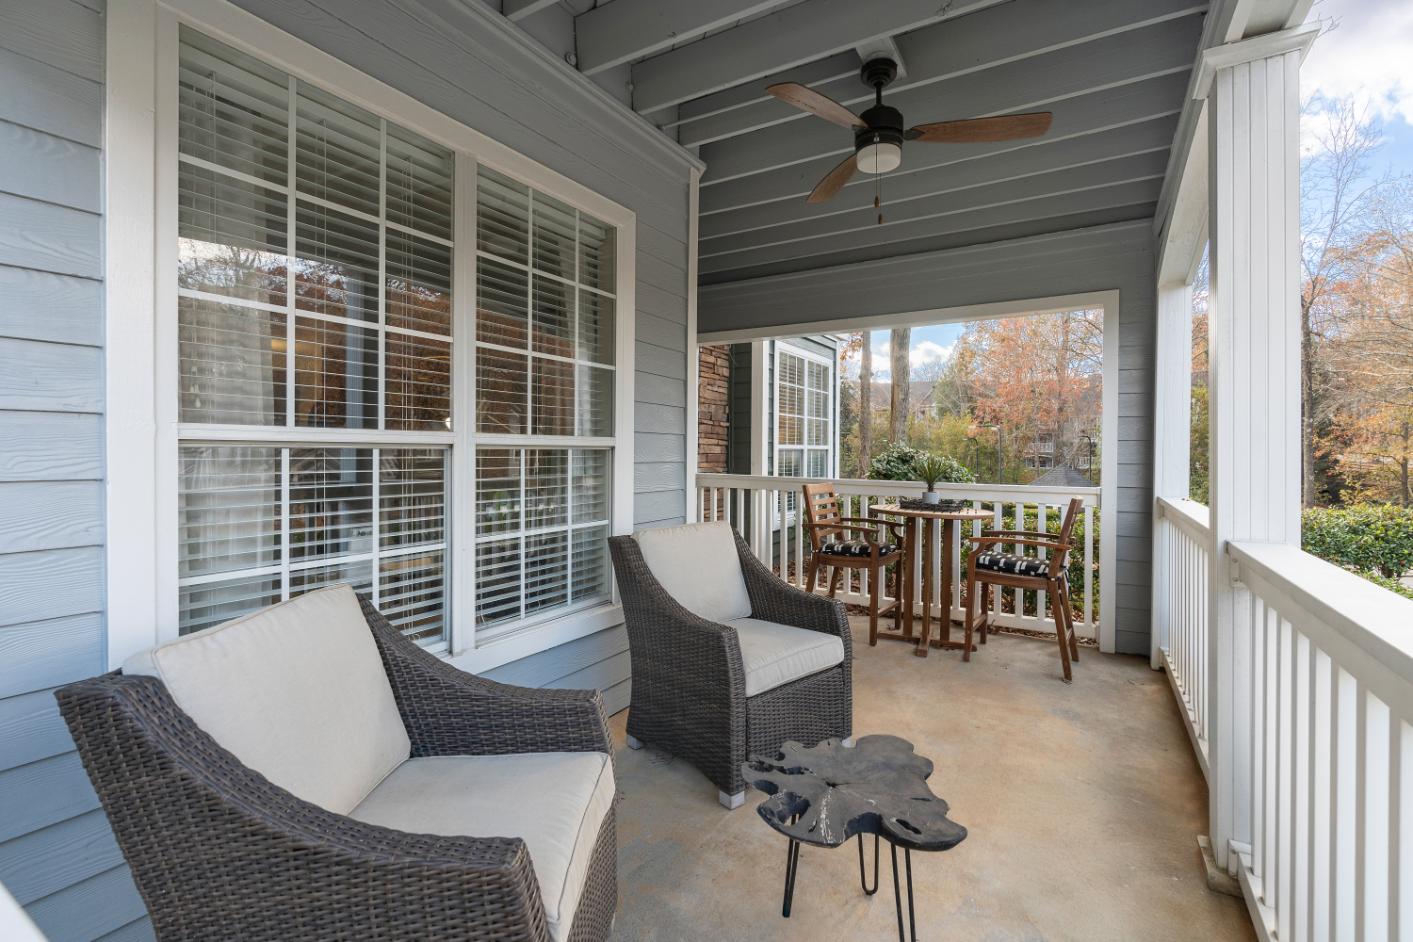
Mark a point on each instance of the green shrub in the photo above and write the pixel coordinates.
(898, 462)
(1366, 538)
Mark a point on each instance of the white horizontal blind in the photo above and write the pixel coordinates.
(314, 291)
(545, 389)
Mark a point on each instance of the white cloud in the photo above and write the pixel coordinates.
(928, 352)
(1365, 57)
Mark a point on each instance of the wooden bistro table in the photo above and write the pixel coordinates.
(929, 518)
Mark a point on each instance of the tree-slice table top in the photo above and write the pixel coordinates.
(826, 794)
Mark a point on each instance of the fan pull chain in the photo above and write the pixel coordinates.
(878, 196)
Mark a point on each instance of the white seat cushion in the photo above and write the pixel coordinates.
(774, 654)
(554, 801)
(698, 566)
(296, 691)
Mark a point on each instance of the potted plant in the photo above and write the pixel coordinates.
(930, 469)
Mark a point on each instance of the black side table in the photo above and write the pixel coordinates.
(826, 794)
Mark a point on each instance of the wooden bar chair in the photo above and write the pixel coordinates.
(831, 546)
(991, 565)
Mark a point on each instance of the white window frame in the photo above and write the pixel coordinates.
(831, 449)
(142, 430)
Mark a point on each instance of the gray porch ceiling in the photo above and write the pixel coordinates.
(1113, 72)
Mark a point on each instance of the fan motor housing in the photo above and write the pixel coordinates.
(885, 126)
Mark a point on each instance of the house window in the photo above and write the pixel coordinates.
(804, 414)
(321, 430)
(545, 389)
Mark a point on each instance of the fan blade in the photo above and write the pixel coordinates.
(807, 99)
(826, 189)
(1010, 127)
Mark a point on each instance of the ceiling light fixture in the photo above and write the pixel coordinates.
(880, 157)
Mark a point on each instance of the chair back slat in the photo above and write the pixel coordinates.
(1060, 561)
(821, 506)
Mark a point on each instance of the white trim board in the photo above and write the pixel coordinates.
(140, 217)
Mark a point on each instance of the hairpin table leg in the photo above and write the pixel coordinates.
(862, 881)
(792, 867)
(898, 896)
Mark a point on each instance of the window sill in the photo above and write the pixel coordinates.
(538, 638)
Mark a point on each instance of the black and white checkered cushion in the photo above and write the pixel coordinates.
(853, 548)
(1012, 563)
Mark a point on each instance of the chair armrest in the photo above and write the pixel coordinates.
(893, 526)
(1008, 541)
(450, 712)
(774, 599)
(869, 529)
(1036, 533)
(216, 848)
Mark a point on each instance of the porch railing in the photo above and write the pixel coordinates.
(1181, 611)
(765, 510)
(1315, 729)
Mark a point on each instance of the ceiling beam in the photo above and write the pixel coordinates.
(901, 187)
(1083, 179)
(1133, 193)
(1074, 118)
(840, 65)
(987, 39)
(517, 10)
(1027, 85)
(795, 35)
(627, 30)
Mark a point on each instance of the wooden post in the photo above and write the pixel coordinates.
(1172, 409)
(1252, 90)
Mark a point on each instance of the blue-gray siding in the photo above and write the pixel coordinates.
(1113, 257)
(57, 853)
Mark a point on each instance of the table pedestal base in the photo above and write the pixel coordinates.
(792, 870)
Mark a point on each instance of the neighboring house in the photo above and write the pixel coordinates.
(770, 407)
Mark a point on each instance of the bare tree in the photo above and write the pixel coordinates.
(865, 403)
(900, 344)
(1336, 202)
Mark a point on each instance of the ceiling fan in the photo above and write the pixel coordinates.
(879, 134)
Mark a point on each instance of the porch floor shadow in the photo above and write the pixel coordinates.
(1083, 803)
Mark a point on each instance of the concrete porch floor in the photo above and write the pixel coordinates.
(1083, 805)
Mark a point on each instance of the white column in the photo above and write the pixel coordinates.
(1253, 102)
(1172, 410)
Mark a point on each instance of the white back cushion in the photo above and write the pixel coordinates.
(698, 566)
(296, 691)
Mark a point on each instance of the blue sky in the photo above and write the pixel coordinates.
(1365, 52)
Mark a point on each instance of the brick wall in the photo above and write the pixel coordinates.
(713, 400)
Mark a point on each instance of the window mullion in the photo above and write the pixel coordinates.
(292, 167)
(382, 276)
(377, 515)
(286, 540)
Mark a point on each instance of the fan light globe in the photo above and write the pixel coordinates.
(879, 157)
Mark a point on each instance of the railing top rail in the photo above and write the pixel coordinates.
(1363, 626)
(1025, 493)
(1188, 514)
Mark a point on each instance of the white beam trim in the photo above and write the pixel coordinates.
(517, 10)
(1032, 83)
(1074, 118)
(1253, 379)
(798, 34)
(994, 37)
(692, 512)
(627, 30)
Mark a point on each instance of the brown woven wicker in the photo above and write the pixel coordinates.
(218, 852)
(689, 688)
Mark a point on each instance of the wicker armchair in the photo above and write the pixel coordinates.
(690, 679)
(220, 852)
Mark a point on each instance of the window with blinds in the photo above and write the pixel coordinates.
(804, 417)
(314, 291)
(545, 391)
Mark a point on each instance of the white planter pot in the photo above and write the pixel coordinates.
(931, 497)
